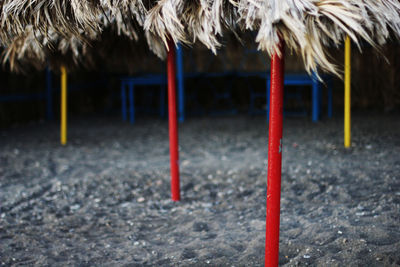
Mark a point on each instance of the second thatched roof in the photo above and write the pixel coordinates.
(306, 26)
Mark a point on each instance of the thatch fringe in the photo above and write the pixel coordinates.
(69, 17)
(33, 48)
(306, 26)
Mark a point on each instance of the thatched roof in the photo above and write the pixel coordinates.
(307, 26)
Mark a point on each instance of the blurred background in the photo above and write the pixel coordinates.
(231, 82)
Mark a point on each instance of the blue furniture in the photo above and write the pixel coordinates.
(47, 96)
(296, 79)
(129, 84)
(71, 87)
(22, 97)
(304, 80)
(204, 77)
(290, 80)
(293, 79)
(254, 94)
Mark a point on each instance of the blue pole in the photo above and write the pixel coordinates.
(315, 98)
(181, 84)
(49, 95)
(123, 101)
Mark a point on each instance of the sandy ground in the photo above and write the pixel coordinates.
(104, 198)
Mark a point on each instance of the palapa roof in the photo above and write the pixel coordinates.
(35, 28)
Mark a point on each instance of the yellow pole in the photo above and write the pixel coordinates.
(347, 93)
(63, 105)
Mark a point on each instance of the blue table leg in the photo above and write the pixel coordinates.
(123, 101)
(319, 99)
(330, 98)
(131, 104)
(268, 96)
(49, 95)
(315, 98)
(181, 85)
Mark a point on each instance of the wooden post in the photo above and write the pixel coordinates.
(274, 159)
(173, 123)
(63, 105)
(347, 93)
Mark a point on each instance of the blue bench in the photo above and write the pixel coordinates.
(204, 77)
(290, 79)
(293, 79)
(307, 80)
(129, 84)
(50, 88)
(47, 96)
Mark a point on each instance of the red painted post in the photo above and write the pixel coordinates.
(274, 160)
(173, 124)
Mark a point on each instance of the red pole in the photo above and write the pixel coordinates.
(274, 160)
(173, 124)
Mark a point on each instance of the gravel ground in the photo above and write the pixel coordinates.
(104, 198)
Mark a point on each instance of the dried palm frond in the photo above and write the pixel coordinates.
(306, 26)
(34, 47)
(108, 52)
(68, 17)
(188, 21)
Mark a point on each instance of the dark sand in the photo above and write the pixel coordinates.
(104, 198)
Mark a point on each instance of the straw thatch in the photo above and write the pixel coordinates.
(306, 26)
(33, 48)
